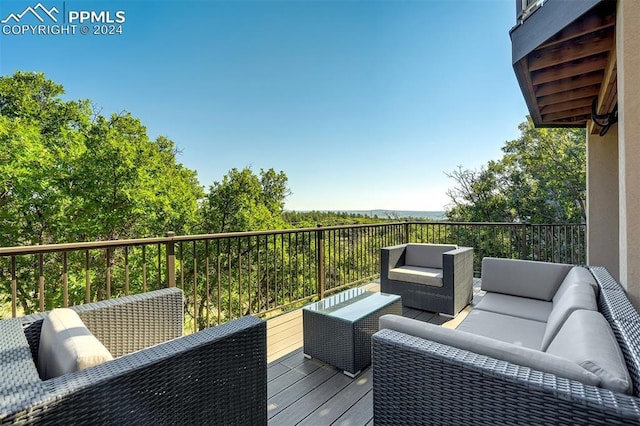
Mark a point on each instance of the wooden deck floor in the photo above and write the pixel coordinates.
(304, 391)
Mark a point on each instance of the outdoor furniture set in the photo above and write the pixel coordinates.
(548, 344)
(157, 376)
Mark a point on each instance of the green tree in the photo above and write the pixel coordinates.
(540, 179)
(244, 201)
(68, 174)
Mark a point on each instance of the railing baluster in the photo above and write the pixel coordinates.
(159, 285)
(126, 271)
(65, 281)
(41, 294)
(144, 269)
(181, 266)
(229, 277)
(14, 288)
(87, 278)
(195, 288)
(206, 280)
(108, 273)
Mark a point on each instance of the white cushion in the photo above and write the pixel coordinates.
(67, 345)
(417, 275)
(587, 339)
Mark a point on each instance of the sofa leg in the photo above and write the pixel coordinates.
(446, 315)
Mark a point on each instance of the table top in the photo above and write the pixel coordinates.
(353, 304)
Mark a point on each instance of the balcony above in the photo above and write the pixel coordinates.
(564, 57)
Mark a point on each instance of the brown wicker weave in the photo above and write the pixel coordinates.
(215, 376)
(417, 381)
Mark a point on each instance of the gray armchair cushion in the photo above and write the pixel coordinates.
(417, 275)
(524, 278)
(426, 255)
(517, 331)
(522, 307)
(587, 339)
(574, 298)
(490, 347)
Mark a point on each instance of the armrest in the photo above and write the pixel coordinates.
(418, 381)
(457, 274)
(391, 257)
(218, 373)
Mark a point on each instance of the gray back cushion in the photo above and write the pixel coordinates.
(587, 339)
(577, 275)
(426, 255)
(524, 278)
(578, 296)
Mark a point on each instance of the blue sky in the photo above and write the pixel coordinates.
(363, 104)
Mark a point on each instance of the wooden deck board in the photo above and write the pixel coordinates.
(285, 398)
(340, 403)
(308, 392)
(308, 403)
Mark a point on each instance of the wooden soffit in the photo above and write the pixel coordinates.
(561, 76)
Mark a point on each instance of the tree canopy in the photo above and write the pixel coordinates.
(69, 174)
(541, 178)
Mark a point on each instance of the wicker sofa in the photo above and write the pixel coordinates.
(432, 375)
(430, 277)
(215, 376)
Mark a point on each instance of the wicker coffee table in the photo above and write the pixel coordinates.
(338, 329)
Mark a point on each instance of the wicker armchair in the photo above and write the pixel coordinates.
(217, 375)
(447, 291)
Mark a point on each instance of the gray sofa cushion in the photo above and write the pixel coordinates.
(578, 296)
(518, 331)
(587, 339)
(426, 255)
(524, 278)
(490, 347)
(417, 275)
(577, 275)
(533, 309)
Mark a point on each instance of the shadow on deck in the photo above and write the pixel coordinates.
(309, 392)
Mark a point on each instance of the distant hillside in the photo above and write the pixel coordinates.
(433, 215)
(393, 214)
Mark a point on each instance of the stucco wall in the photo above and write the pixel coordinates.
(628, 57)
(602, 201)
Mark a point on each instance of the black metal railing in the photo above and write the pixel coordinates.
(225, 276)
